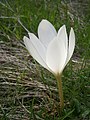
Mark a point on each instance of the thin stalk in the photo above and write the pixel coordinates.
(60, 90)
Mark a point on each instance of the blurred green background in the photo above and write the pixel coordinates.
(28, 91)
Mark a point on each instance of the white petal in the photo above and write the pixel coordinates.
(62, 36)
(37, 45)
(36, 49)
(63, 41)
(46, 32)
(71, 44)
(55, 57)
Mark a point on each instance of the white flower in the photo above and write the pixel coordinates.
(51, 49)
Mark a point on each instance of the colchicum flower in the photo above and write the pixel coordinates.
(51, 49)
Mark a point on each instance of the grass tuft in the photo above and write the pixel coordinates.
(28, 91)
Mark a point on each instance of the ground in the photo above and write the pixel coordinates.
(28, 91)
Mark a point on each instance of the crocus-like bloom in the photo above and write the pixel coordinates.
(51, 49)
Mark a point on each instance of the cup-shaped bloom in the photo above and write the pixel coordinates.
(51, 49)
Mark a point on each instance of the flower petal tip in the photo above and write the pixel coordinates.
(72, 32)
(72, 29)
(64, 25)
(44, 20)
(24, 38)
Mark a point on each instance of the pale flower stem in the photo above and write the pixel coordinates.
(60, 90)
